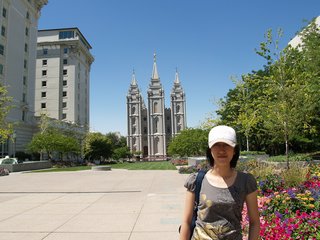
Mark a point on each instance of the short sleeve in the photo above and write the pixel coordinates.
(251, 184)
(190, 183)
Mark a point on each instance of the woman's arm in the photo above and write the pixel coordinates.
(253, 213)
(187, 216)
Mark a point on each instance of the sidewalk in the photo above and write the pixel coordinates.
(115, 205)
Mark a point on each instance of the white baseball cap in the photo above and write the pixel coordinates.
(223, 134)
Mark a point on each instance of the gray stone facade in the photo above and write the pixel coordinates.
(151, 126)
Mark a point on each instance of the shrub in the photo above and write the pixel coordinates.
(179, 162)
(295, 175)
(244, 153)
(292, 158)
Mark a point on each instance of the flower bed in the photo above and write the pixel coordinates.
(288, 213)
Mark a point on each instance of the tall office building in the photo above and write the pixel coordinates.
(63, 75)
(18, 42)
(151, 127)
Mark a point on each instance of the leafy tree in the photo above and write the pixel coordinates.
(52, 141)
(190, 142)
(310, 49)
(279, 103)
(121, 152)
(286, 109)
(96, 145)
(5, 127)
(116, 140)
(248, 112)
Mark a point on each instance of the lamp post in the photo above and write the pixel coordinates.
(14, 136)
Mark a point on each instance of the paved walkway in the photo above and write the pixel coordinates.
(115, 205)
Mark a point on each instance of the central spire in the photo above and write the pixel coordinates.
(177, 81)
(155, 71)
(133, 80)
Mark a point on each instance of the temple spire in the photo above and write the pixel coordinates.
(155, 74)
(133, 80)
(177, 80)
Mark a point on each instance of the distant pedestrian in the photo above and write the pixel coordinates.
(223, 192)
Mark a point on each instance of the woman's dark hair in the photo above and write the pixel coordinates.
(234, 160)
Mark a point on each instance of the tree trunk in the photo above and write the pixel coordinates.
(247, 137)
(287, 152)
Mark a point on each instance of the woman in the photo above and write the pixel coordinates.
(223, 193)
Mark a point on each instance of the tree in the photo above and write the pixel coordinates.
(286, 105)
(96, 146)
(189, 142)
(278, 107)
(121, 152)
(5, 127)
(52, 141)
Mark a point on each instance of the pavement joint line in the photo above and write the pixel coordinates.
(139, 214)
(70, 192)
(74, 216)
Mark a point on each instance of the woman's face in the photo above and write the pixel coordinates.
(222, 154)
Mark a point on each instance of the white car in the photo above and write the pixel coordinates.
(8, 160)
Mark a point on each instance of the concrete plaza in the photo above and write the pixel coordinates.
(115, 205)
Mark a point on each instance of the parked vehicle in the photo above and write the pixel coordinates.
(8, 160)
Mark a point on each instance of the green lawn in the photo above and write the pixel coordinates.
(163, 165)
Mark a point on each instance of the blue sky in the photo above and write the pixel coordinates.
(208, 41)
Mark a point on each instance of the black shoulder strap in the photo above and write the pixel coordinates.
(199, 179)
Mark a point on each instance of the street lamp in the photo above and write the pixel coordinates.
(14, 136)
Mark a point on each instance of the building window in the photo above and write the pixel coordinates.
(43, 105)
(27, 31)
(65, 61)
(45, 51)
(64, 104)
(65, 72)
(3, 31)
(28, 15)
(1, 69)
(44, 62)
(23, 97)
(44, 83)
(64, 82)
(44, 72)
(26, 47)
(1, 49)
(25, 63)
(64, 93)
(43, 94)
(4, 12)
(66, 34)
(65, 50)
(24, 80)
(64, 115)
